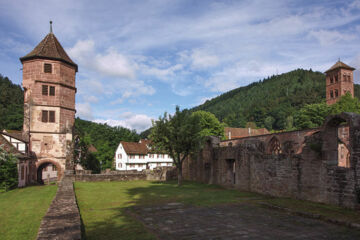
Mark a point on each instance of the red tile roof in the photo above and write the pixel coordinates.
(49, 48)
(8, 147)
(244, 132)
(135, 148)
(340, 64)
(16, 134)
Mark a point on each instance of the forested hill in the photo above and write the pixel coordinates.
(105, 138)
(277, 96)
(11, 105)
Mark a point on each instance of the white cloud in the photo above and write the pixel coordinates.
(326, 37)
(84, 110)
(139, 122)
(110, 64)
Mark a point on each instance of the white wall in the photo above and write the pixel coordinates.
(124, 162)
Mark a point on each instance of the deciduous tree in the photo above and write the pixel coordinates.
(178, 135)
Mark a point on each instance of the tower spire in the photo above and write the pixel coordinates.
(51, 27)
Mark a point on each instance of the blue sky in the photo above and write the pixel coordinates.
(138, 59)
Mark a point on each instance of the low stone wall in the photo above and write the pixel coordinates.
(158, 174)
(110, 177)
(62, 220)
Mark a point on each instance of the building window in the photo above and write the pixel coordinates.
(119, 156)
(336, 78)
(52, 116)
(47, 68)
(53, 167)
(349, 78)
(52, 91)
(119, 165)
(48, 116)
(331, 94)
(45, 115)
(132, 156)
(45, 90)
(331, 80)
(336, 93)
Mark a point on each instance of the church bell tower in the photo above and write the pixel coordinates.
(339, 81)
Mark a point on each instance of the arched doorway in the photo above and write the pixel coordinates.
(336, 140)
(48, 171)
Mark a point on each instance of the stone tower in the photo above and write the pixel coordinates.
(339, 81)
(49, 102)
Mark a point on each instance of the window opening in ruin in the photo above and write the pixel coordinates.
(231, 171)
(52, 91)
(47, 68)
(331, 80)
(336, 78)
(45, 90)
(336, 146)
(336, 93)
(274, 146)
(331, 94)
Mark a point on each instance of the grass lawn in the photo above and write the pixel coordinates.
(21, 211)
(102, 204)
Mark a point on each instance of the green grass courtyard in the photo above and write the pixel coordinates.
(107, 213)
(21, 211)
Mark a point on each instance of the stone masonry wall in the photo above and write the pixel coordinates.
(306, 167)
(62, 220)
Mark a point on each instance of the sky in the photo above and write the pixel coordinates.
(139, 59)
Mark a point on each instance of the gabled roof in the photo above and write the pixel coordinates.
(340, 64)
(134, 147)
(8, 147)
(16, 134)
(49, 48)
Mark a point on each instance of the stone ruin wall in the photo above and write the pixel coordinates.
(305, 168)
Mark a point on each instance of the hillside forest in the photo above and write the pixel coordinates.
(290, 101)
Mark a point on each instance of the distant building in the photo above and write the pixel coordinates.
(231, 133)
(339, 81)
(139, 156)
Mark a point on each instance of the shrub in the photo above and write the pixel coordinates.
(8, 171)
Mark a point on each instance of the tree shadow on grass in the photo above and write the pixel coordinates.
(122, 222)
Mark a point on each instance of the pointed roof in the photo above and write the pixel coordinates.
(49, 48)
(340, 64)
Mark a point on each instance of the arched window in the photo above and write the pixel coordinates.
(274, 146)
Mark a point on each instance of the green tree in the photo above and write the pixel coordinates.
(289, 124)
(8, 171)
(178, 135)
(346, 104)
(210, 125)
(312, 115)
(269, 121)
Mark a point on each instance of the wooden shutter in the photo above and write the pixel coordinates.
(52, 91)
(47, 68)
(44, 117)
(45, 90)
(52, 116)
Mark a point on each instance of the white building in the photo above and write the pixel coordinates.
(138, 156)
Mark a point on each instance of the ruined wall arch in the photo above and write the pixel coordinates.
(336, 136)
(273, 146)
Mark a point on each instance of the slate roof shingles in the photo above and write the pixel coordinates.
(50, 48)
